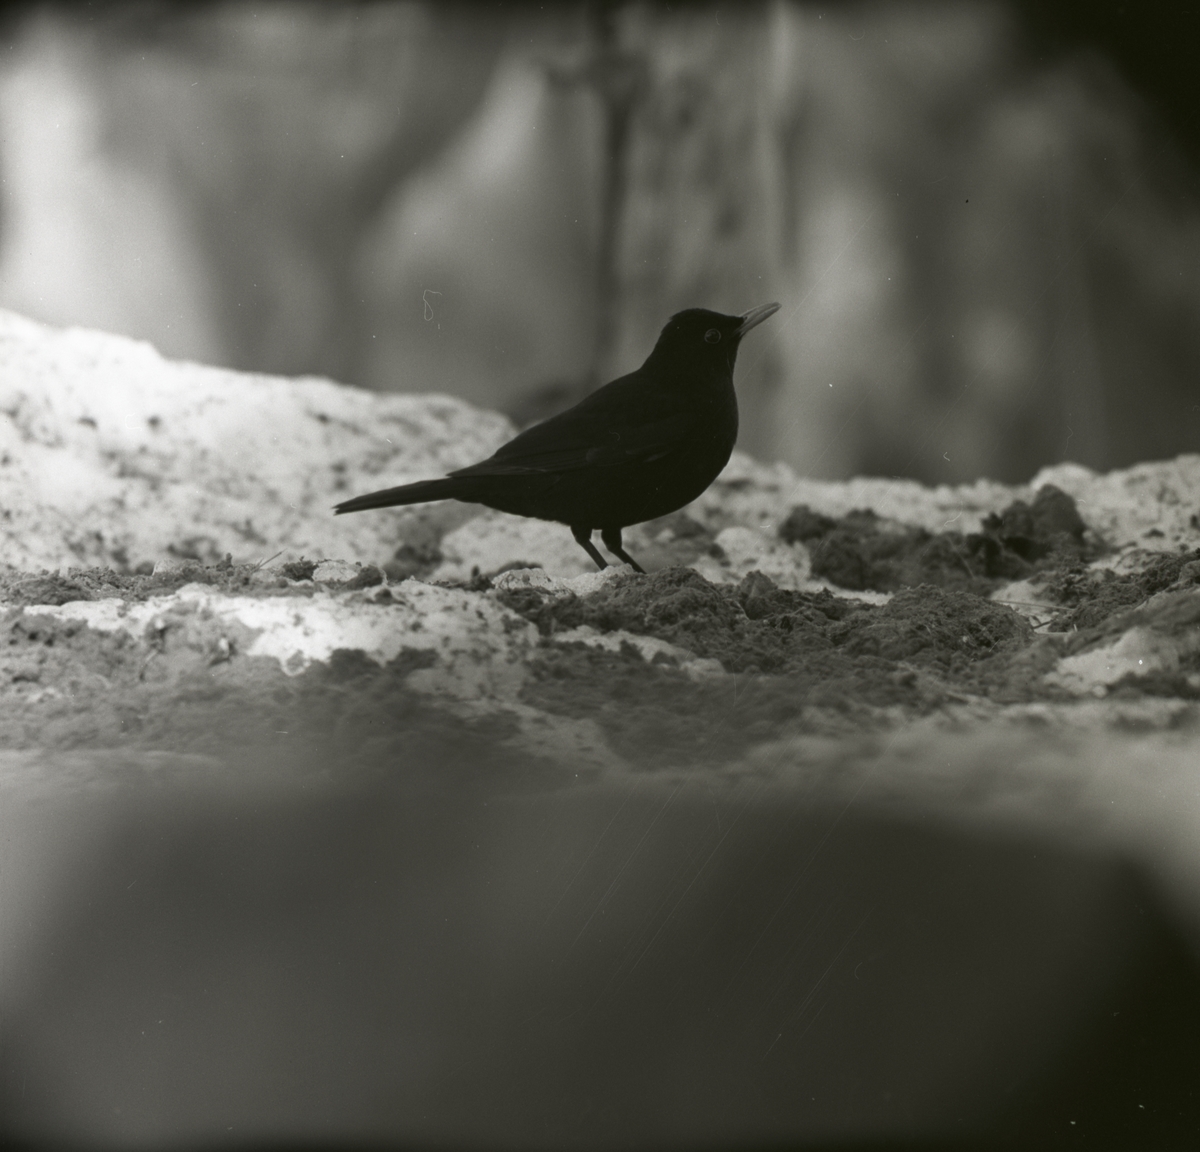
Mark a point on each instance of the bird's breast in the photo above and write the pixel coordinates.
(716, 416)
(687, 471)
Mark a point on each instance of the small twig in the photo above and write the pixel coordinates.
(264, 563)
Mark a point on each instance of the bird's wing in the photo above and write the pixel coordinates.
(546, 448)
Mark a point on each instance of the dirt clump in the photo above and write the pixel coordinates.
(98, 583)
(799, 659)
(1090, 596)
(48, 588)
(757, 626)
(862, 551)
(299, 569)
(176, 688)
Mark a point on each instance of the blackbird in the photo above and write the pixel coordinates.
(638, 448)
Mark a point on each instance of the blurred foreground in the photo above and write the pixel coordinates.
(473, 956)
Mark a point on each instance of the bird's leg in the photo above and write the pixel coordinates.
(583, 536)
(612, 541)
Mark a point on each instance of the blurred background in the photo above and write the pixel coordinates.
(982, 219)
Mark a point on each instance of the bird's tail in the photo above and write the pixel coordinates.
(447, 488)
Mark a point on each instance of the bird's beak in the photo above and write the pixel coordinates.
(756, 316)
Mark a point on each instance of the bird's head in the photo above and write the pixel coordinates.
(697, 338)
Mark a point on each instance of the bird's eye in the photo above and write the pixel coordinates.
(713, 336)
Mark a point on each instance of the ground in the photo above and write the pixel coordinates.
(962, 704)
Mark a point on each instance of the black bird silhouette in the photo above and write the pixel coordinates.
(638, 448)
